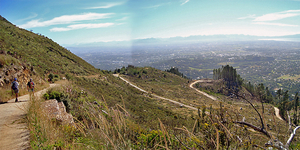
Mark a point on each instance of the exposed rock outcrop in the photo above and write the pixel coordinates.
(8, 73)
(20, 71)
(57, 110)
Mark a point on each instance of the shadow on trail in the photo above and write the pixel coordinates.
(22, 101)
(10, 102)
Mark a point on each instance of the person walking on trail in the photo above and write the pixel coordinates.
(30, 86)
(15, 88)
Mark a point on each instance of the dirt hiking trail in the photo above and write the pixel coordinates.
(191, 86)
(14, 134)
(207, 95)
(154, 95)
(213, 98)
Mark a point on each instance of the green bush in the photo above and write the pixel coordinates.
(46, 96)
(68, 76)
(55, 95)
(50, 76)
(56, 76)
(55, 79)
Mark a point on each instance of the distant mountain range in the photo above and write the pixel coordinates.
(188, 40)
(214, 38)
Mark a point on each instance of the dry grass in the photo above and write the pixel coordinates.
(46, 133)
(100, 127)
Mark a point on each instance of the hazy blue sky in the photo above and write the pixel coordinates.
(73, 22)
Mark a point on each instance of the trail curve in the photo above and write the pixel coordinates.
(207, 95)
(154, 95)
(213, 98)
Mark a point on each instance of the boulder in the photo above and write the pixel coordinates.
(57, 110)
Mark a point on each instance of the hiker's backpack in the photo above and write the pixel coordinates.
(14, 85)
(31, 85)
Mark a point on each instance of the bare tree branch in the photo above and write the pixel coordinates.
(290, 123)
(261, 120)
(288, 143)
(241, 141)
(254, 127)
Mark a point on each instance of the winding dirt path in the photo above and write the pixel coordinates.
(181, 104)
(191, 86)
(14, 134)
(116, 75)
(197, 81)
(277, 113)
(142, 90)
(213, 98)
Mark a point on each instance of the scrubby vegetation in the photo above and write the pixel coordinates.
(107, 111)
(39, 51)
(176, 71)
(142, 107)
(162, 83)
(154, 80)
(24, 51)
(121, 128)
(104, 121)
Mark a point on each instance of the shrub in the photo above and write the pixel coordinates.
(56, 76)
(50, 76)
(68, 76)
(55, 79)
(55, 95)
(46, 96)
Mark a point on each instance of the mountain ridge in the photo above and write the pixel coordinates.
(40, 52)
(191, 40)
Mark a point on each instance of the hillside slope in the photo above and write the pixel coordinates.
(40, 52)
(111, 114)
